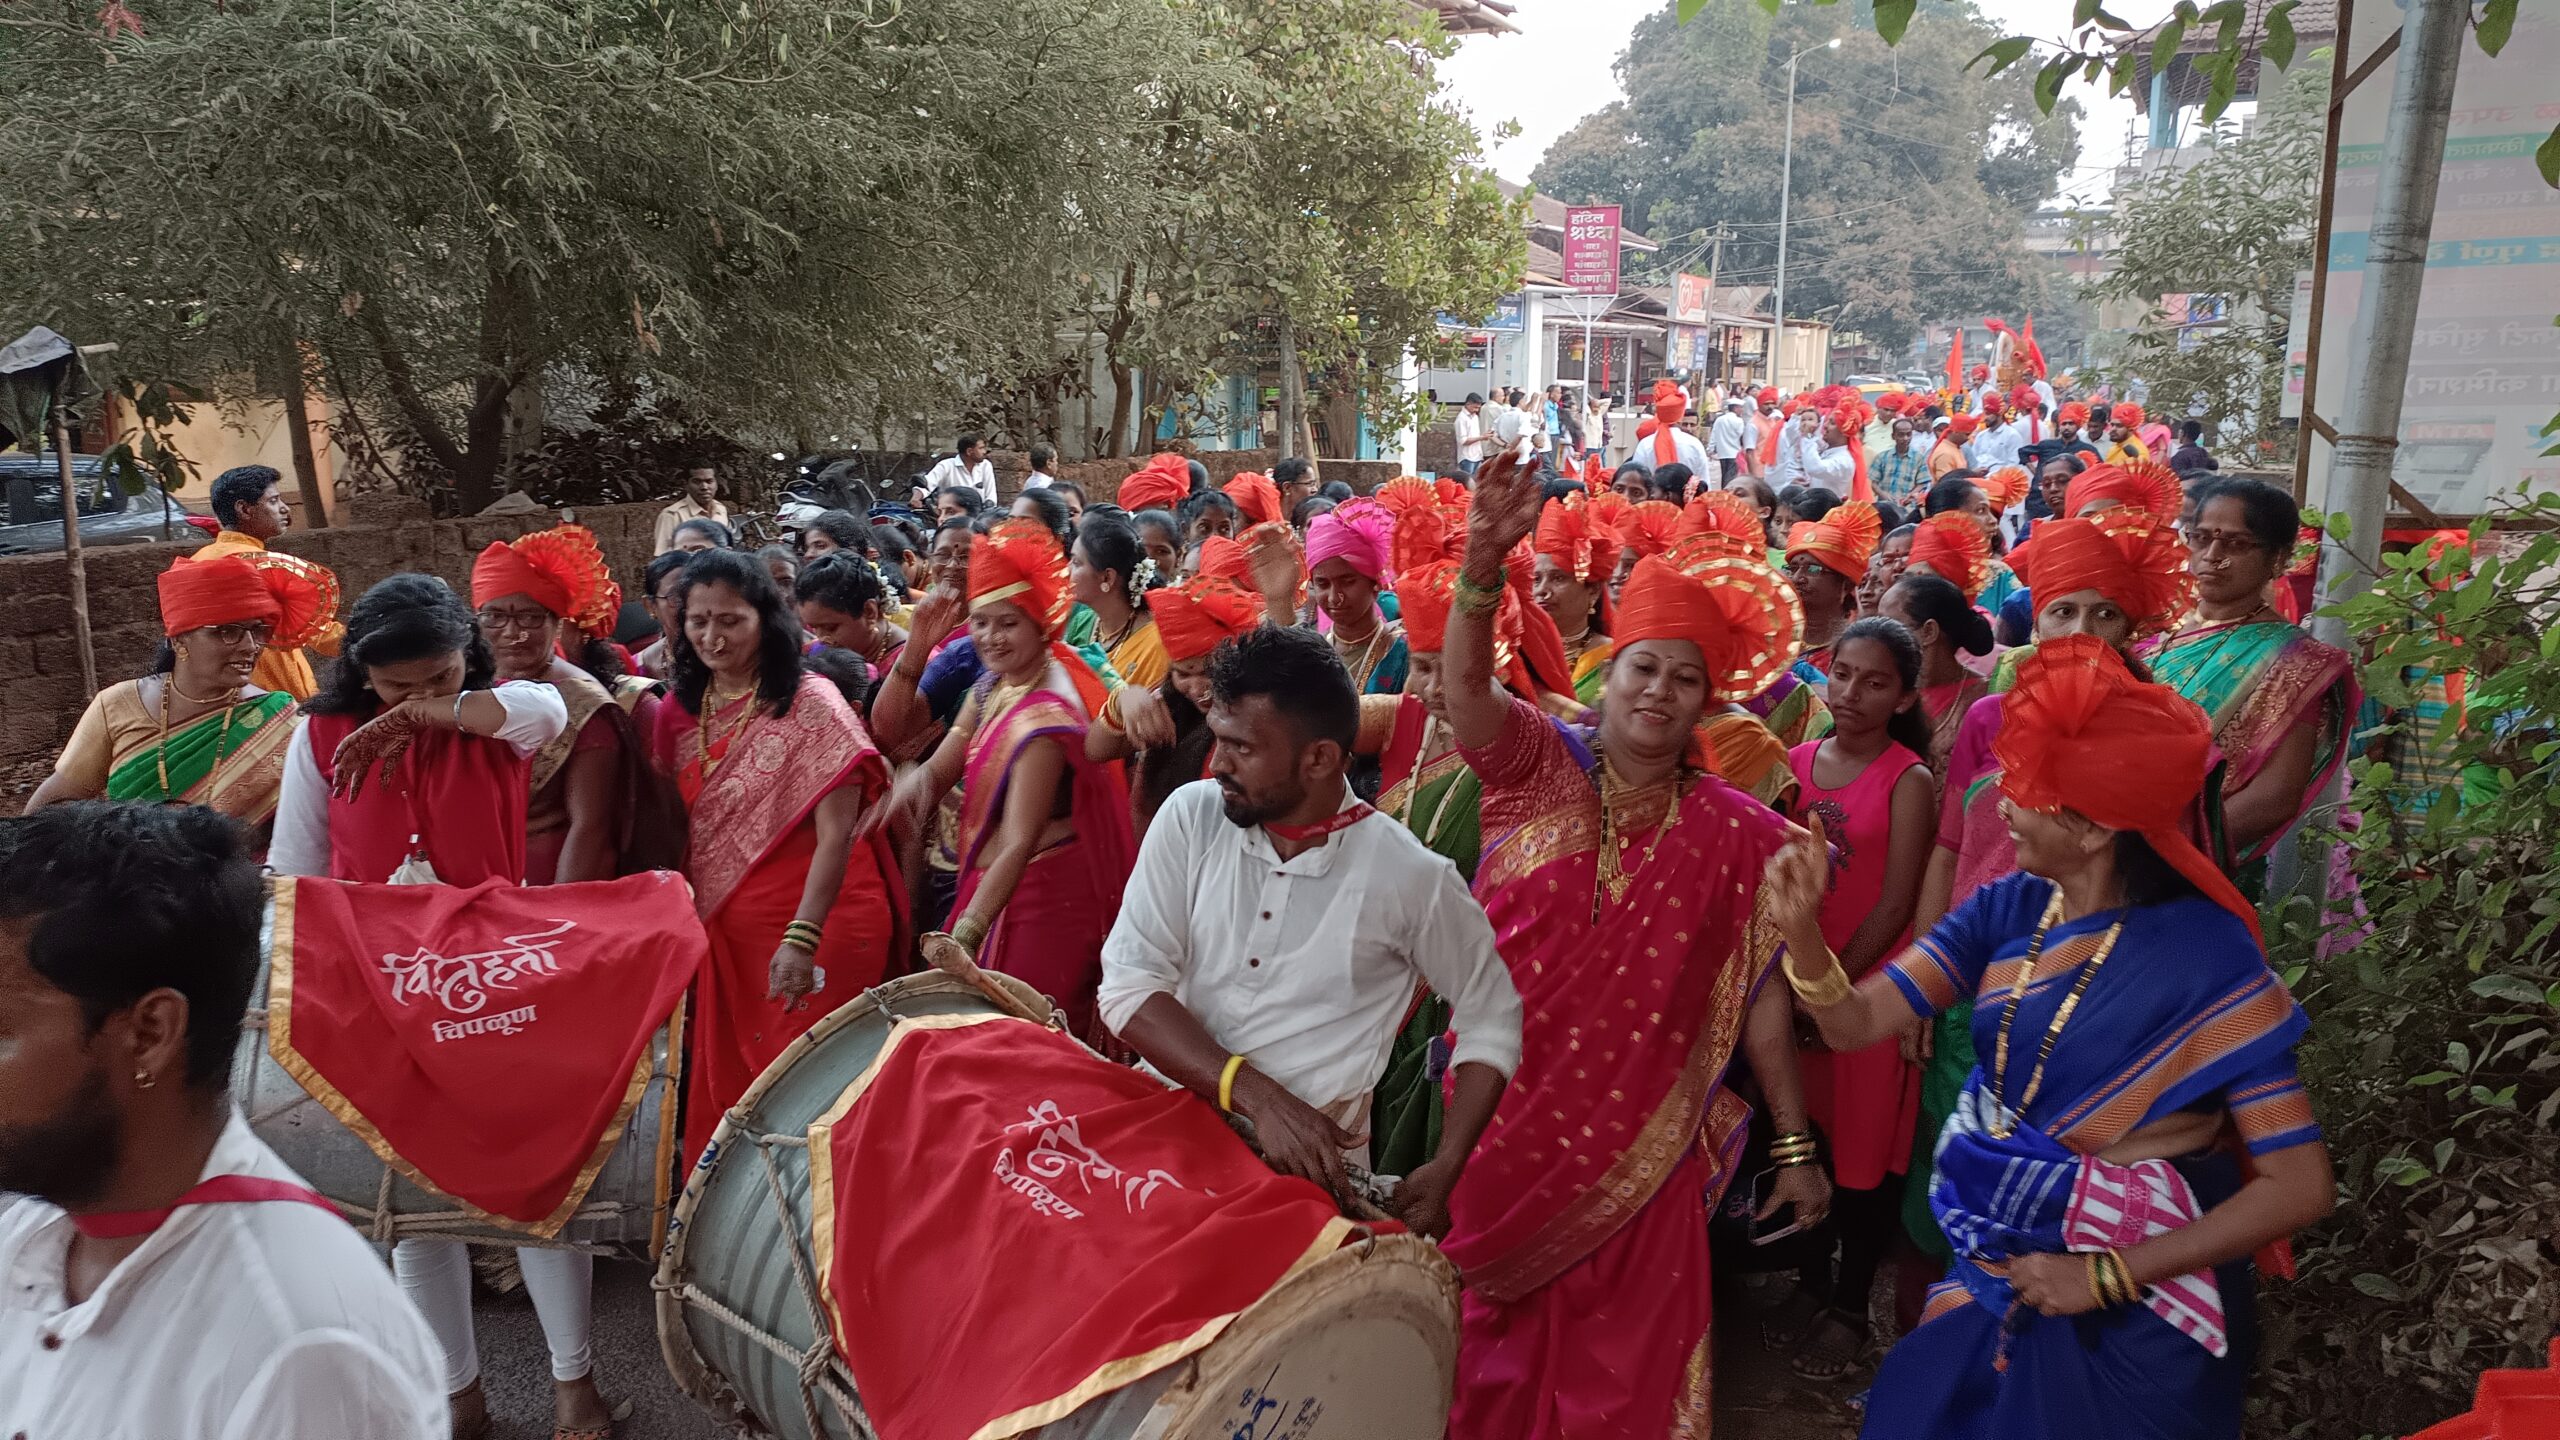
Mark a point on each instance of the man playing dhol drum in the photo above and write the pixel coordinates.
(1267, 962)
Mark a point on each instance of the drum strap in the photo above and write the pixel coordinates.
(219, 1190)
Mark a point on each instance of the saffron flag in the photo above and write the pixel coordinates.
(487, 1042)
(990, 1191)
(1955, 362)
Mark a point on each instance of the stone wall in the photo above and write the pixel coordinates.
(42, 699)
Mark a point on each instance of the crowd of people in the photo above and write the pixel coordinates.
(1631, 876)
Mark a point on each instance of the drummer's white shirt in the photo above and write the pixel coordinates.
(247, 1321)
(1306, 966)
(300, 844)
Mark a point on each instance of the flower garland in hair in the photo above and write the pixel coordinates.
(1140, 581)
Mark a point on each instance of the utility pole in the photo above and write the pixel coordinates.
(1715, 268)
(2395, 268)
(1786, 183)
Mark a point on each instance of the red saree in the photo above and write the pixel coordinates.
(754, 833)
(1049, 934)
(1581, 1219)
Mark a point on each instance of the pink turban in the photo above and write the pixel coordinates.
(1356, 532)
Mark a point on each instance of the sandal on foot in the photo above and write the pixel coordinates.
(1786, 1326)
(1831, 1349)
(621, 1412)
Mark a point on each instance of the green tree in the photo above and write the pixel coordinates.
(1317, 201)
(1911, 182)
(785, 213)
(2236, 225)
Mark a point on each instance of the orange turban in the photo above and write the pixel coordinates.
(1427, 595)
(562, 569)
(1844, 540)
(1768, 395)
(1256, 496)
(1992, 404)
(1193, 617)
(2127, 414)
(1163, 484)
(1742, 615)
(2005, 486)
(1020, 560)
(1567, 536)
(1649, 527)
(223, 591)
(2144, 485)
(2131, 558)
(2071, 412)
(1222, 556)
(1960, 428)
(1954, 548)
(1424, 529)
(306, 594)
(1729, 517)
(1668, 407)
(2080, 733)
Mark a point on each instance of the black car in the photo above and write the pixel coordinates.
(31, 506)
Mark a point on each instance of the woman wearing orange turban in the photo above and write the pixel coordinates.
(1256, 496)
(1165, 725)
(195, 731)
(1577, 557)
(1045, 847)
(584, 789)
(1826, 559)
(1621, 883)
(2144, 485)
(2120, 577)
(2102, 1239)
(1951, 546)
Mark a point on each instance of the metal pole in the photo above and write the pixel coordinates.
(74, 561)
(2387, 313)
(1786, 182)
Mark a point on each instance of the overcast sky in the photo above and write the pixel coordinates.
(1557, 70)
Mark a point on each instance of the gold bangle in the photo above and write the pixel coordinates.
(1227, 1084)
(969, 932)
(1831, 989)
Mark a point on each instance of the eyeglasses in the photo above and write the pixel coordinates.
(519, 622)
(252, 630)
(2212, 542)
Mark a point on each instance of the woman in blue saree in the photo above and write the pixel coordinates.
(2132, 1039)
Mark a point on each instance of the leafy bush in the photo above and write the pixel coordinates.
(2431, 1055)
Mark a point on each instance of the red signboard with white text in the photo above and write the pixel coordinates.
(1591, 249)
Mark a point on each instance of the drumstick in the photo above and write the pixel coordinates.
(953, 961)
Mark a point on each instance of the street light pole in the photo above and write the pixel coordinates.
(1786, 184)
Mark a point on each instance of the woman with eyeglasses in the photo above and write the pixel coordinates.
(2280, 701)
(527, 591)
(195, 731)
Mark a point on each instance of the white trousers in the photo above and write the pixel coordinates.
(436, 1276)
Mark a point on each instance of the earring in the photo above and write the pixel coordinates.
(142, 1080)
(182, 652)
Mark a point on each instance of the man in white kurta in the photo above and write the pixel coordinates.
(163, 1275)
(1278, 924)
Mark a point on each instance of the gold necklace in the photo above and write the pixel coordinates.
(712, 705)
(2004, 1123)
(1368, 657)
(170, 682)
(1611, 876)
(221, 742)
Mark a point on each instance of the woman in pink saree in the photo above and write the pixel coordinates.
(1622, 879)
(1045, 845)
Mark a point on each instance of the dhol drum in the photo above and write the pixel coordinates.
(1361, 1345)
(625, 1211)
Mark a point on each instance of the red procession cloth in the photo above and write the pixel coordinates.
(459, 798)
(989, 1191)
(488, 1042)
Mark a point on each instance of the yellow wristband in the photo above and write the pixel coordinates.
(1227, 1084)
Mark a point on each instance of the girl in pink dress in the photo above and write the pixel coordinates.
(1869, 788)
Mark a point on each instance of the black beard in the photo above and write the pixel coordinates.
(68, 1156)
(1243, 813)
